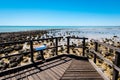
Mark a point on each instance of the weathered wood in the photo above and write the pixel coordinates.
(96, 49)
(81, 70)
(25, 76)
(98, 70)
(47, 38)
(29, 75)
(42, 55)
(117, 63)
(77, 37)
(68, 43)
(107, 61)
(54, 70)
(83, 46)
(56, 40)
(108, 46)
(33, 73)
(31, 49)
(19, 42)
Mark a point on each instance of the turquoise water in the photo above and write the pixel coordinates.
(27, 28)
(85, 31)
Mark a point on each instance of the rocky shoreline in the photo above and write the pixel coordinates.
(22, 48)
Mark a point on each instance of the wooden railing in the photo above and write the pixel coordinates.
(31, 46)
(56, 47)
(114, 65)
(31, 49)
(83, 43)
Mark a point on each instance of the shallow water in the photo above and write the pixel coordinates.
(27, 28)
(96, 32)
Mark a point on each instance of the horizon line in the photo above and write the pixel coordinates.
(61, 25)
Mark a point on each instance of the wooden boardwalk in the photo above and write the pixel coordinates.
(81, 70)
(64, 68)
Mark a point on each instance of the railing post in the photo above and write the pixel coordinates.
(117, 61)
(68, 44)
(42, 55)
(83, 46)
(31, 49)
(56, 46)
(96, 49)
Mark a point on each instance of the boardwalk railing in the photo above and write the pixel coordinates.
(115, 65)
(31, 49)
(31, 46)
(83, 44)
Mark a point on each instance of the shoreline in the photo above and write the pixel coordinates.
(38, 34)
(5, 29)
(89, 33)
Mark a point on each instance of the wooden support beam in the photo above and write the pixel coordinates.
(56, 40)
(83, 46)
(31, 49)
(42, 55)
(117, 63)
(96, 49)
(68, 43)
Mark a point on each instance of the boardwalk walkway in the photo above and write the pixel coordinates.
(63, 68)
(81, 70)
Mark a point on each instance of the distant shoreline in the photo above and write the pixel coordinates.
(7, 29)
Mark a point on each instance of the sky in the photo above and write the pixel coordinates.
(60, 12)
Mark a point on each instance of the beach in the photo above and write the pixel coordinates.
(108, 36)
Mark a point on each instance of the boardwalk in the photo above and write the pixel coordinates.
(62, 68)
(81, 70)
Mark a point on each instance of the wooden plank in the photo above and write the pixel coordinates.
(52, 75)
(107, 61)
(79, 78)
(44, 76)
(98, 70)
(7, 77)
(81, 74)
(81, 70)
(28, 75)
(25, 76)
(17, 75)
(59, 69)
(12, 77)
(33, 73)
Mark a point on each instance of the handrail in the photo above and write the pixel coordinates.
(18, 42)
(32, 50)
(83, 45)
(107, 61)
(107, 45)
(114, 65)
(76, 37)
(25, 53)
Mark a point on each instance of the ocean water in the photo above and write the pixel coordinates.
(28, 28)
(96, 32)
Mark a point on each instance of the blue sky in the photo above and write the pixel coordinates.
(60, 12)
